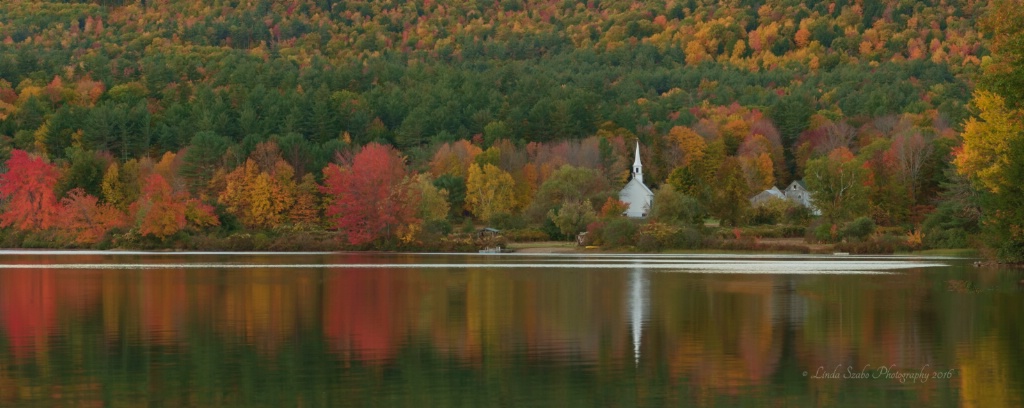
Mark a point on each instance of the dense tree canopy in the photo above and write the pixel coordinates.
(266, 116)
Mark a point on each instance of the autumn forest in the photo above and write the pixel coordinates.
(321, 124)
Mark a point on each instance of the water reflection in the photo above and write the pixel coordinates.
(638, 304)
(480, 335)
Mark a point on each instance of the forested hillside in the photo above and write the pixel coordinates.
(252, 115)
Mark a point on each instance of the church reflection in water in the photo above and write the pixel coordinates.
(639, 304)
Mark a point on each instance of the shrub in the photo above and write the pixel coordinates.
(770, 212)
(552, 230)
(948, 227)
(595, 234)
(506, 221)
(11, 238)
(304, 241)
(687, 238)
(260, 241)
(526, 235)
(894, 230)
(882, 244)
(800, 249)
(439, 227)
(743, 244)
(860, 229)
(457, 243)
(619, 232)
(655, 236)
(798, 214)
(671, 206)
(765, 231)
(823, 232)
(793, 231)
(946, 238)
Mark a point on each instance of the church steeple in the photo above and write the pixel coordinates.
(638, 169)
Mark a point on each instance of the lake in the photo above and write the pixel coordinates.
(102, 329)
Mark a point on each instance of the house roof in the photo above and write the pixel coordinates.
(773, 191)
(799, 183)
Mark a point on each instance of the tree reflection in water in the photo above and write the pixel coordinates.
(485, 336)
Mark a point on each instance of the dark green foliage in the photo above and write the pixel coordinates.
(303, 155)
(567, 184)
(948, 227)
(859, 229)
(122, 129)
(774, 231)
(525, 235)
(551, 229)
(671, 206)
(438, 227)
(537, 85)
(204, 155)
(62, 127)
(456, 187)
(822, 232)
(884, 244)
(85, 171)
(507, 221)
(468, 227)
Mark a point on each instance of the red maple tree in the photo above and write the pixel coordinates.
(27, 186)
(370, 199)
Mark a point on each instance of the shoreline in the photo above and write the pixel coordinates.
(538, 248)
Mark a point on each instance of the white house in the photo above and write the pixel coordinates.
(635, 194)
(796, 193)
(766, 195)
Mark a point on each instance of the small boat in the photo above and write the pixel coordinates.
(495, 250)
(841, 253)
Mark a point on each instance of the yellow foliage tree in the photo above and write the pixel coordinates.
(120, 185)
(987, 140)
(433, 201)
(112, 187)
(259, 199)
(489, 191)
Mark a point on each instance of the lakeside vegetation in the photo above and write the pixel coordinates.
(408, 125)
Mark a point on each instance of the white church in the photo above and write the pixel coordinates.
(635, 194)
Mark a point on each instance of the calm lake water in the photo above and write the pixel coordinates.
(281, 330)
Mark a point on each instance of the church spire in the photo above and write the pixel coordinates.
(638, 169)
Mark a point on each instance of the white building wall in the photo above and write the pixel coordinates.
(638, 197)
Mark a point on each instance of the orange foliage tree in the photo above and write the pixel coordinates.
(306, 210)
(158, 212)
(86, 220)
(454, 158)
